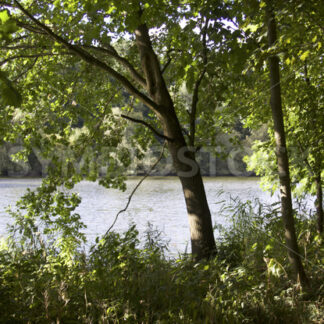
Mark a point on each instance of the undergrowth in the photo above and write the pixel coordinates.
(46, 277)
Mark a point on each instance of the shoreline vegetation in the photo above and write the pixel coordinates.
(47, 277)
(99, 90)
(211, 165)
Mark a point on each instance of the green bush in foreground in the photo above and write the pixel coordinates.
(46, 278)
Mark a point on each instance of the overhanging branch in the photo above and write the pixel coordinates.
(113, 53)
(140, 121)
(87, 57)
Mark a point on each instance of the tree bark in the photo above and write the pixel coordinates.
(319, 203)
(282, 155)
(318, 180)
(201, 229)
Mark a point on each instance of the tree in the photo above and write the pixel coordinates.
(299, 47)
(257, 20)
(281, 153)
(304, 97)
(74, 47)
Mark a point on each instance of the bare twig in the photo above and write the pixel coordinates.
(136, 187)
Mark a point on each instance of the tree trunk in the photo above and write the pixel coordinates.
(201, 229)
(318, 180)
(319, 203)
(282, 155)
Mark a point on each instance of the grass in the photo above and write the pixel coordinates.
(47, 278)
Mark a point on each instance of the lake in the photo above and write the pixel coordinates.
(159, 200)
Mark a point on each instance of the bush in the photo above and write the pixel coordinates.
(46, 277)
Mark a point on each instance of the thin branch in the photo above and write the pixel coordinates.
(166, 65)
(136, 187)
(113, 53)
(87, 57)
(193, 112)
(168, 61)
(195, 97)
(30, 28)
(26, 71)
(302, 150)
(140, 121)
(23, 46)
(102, 117)
(307, 80)
(14, 40)
(32, 56)
(287, 247)
(186, 132)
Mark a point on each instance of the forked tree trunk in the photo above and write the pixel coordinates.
(319, 203)
(282, 155)
(201, 229)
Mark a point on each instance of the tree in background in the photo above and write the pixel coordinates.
(299, 46)
(298, 27)
(281, 151)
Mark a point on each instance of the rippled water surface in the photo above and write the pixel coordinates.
(158, 201)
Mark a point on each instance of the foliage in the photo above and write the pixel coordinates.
(8, 93)
(299, 48)
(66, 59)
(60, 89)
(116, 281)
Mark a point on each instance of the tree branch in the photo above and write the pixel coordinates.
(17, 39)
(156, 86)
(31, 56)
(113, 53)
(30, 28)
(168, 61)
(166, 65)
(87, 57)
(136, 187)
(195, 96)
(302, 151)
(140, 121)
(26, 71)
(22, 46)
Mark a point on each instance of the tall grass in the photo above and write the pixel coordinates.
(54, 281)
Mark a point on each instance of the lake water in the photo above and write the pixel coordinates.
(159, 200)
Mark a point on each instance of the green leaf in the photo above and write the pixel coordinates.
(304, 56)
(8, 94)
(4, 16)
